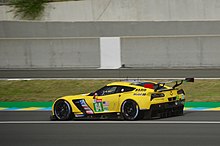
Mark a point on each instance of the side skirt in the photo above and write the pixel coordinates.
(103, 116)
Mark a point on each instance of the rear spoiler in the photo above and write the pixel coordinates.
(160, 85)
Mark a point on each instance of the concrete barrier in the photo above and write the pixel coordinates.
(188, 44)
(171, 52)
(23, 29)
(147, 52)
(50, 53)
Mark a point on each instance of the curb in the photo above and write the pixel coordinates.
(47, 106)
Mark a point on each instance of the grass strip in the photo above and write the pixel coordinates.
(49, 90)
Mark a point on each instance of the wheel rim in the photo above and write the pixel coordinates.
(130, 110)
(62, 110)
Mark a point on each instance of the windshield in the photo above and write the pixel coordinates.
(104, 91)
(108, 90)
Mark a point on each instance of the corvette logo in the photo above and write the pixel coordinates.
(171, 93)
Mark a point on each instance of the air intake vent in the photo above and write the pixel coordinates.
(172, 98)
(79, 106)
(82, 106)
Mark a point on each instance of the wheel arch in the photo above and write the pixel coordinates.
(142, 102)
(139, 114)
(72, 106)
(129, 99)
(70, 115)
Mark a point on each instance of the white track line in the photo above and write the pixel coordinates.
(110, 122)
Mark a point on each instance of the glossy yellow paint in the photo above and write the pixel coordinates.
(113, 102)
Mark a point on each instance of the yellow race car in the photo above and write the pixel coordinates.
(129, 100)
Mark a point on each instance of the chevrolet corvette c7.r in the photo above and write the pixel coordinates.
(128, 100)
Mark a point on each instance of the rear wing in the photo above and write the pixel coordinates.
(161, 85)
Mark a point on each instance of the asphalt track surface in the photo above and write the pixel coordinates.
(110, 73)
(35, 129)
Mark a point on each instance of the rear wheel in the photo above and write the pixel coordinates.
(180, 111)
(130, 110)
(62, 110)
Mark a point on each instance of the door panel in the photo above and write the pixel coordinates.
(106, 104)
(106, 99)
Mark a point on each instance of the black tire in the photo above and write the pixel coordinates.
(62, 110)
(130, 111)
(180, 111)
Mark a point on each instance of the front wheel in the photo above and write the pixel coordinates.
(130, 110)
(62, 110)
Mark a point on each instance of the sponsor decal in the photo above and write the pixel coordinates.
(183, 96)
(106, 105)
(79, 115)
(98, 105)
(177, 97)
(98, 100)
(89, 112)
(106, 108)
(139, 94)
(141, 90)
(86, 107)
(83, 103)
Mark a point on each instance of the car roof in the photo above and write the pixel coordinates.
(127, 83)
(120, 84)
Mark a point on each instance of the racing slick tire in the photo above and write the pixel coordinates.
(62, 110)
(130, 111)
(179, 111)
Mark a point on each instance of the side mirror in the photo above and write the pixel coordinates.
(95, 94)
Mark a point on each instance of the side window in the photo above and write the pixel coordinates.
(122, 89)
(107, 90)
